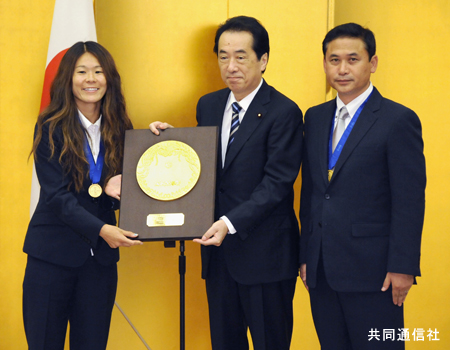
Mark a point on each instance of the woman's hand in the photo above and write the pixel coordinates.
(116, 237)
(156, 126)
(113, 186)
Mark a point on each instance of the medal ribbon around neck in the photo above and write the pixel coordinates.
(95, 169)
(334, 156)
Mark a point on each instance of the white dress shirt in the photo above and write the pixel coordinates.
(227, 114)
(226, 125)
(352, 106)
(94, 134)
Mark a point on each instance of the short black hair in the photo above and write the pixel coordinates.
(351, 30)
(246, 24)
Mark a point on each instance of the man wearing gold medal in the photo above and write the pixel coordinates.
(362, 202)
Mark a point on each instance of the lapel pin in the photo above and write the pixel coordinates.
(259, 115)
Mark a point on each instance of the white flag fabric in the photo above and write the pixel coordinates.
(73, 21)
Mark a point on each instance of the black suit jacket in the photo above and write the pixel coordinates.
(66, 225)
(368, 219)
(255, 187)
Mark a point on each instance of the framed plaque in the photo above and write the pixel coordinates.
(168, 183)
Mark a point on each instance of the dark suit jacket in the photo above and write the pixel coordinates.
(368, 219)
(66, 225)
(255, 187)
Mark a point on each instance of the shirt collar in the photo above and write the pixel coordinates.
(86, 122)
(245, 102)
(353, 106)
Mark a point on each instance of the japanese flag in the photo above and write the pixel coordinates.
(73, 21)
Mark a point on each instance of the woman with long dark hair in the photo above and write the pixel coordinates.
(72, 240)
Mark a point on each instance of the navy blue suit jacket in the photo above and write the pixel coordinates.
(66, 225)
(368, 219)
(255, 187)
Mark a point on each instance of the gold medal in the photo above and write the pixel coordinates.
(330, 174)
(95, 190)
(168, 170)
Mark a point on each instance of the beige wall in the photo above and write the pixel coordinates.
(164, 53)
(24, 35)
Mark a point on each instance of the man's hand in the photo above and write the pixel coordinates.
(116, 237)
(303, 275)
(156, 126)
(401, 284)
(215, 234)
(112, 188)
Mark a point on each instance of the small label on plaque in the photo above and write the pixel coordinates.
(158, 220)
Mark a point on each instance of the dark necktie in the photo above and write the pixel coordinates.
(234, 122)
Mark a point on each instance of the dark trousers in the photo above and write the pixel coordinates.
(346, 321)
(55, 295)
(265, 309)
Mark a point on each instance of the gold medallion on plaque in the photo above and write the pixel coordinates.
(168, 170)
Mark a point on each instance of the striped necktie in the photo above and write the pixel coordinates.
(234, 122)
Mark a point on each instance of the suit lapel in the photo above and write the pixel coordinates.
(216, 119)
(365, 121)
(324, 138)
(252, 118)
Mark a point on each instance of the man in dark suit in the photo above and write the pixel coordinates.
(362, 203)
(250, 254)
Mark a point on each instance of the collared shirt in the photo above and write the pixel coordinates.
(352, 106)
(94, 136)
(94, 133)
(226, 122)
(226, 125)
